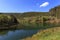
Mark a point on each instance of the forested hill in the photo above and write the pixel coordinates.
(30, 14)
(52, 12)
(30, 17)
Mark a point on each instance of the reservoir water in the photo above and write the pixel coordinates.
(20, 34)
(17, 34)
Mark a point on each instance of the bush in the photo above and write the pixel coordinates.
(7, 19)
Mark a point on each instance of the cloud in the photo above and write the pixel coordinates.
(44, 4)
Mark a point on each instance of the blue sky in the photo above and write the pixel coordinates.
(27, 5)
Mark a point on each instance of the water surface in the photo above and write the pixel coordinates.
(17, 34)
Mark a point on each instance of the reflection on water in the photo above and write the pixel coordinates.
(17, 34)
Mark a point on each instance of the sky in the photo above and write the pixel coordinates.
(27, 5)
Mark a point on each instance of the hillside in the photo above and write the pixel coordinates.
(52, 12)
(55, 11)
(47, 34)
(31, 14)
(7, 20)
(31, 20)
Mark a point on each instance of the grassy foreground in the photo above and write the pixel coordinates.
(47, 34)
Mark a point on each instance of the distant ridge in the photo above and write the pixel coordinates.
(52, 12)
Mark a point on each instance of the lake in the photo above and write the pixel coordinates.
(17, 34)
(20, 34)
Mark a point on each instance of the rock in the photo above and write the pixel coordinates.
(55, 11)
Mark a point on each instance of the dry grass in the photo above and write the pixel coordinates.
(48, 34)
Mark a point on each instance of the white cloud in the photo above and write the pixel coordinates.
(44, 4)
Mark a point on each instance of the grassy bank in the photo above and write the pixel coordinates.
(47, 34)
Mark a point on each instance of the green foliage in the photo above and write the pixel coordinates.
(4, 19)
(7, 20)
(46, 18)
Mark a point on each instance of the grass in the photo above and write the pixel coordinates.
(47, 34)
